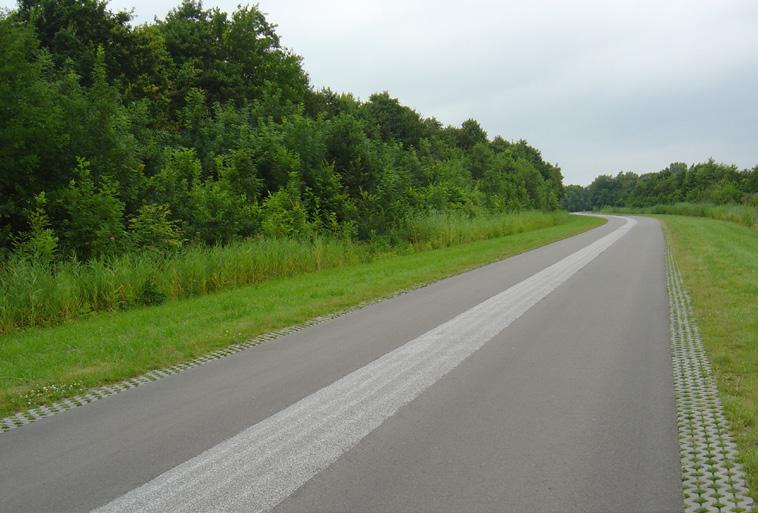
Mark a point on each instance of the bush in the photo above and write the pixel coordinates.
(284, 214)
(39, 243)
(93, 225)
(153, 231)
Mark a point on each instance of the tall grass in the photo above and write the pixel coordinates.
(36, 294)
(745, 215)
(443, 230)
(33, 294)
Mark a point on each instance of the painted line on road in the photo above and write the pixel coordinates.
(258, 468)
(712, 478)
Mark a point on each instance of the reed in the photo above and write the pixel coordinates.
(42, 294)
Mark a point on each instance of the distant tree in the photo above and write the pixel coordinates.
(702, 182)
(576, 198)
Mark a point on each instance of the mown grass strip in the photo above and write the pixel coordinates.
(41, 365)
(719, 264)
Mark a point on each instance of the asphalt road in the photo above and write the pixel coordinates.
(539, 383)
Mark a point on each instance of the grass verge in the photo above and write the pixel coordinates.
(741, 214)
(41, 365)
(719, 265)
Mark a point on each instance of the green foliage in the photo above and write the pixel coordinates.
(218, 215)
(32, 128)
(174, 183)
(471, 134)
(201, 129)
(143, 339)
(576, 198)
(238, 169)
(74, 30)
(34, 292)
(283, 212)
(392, 122)
(705, 182)
(152, 230)
(40, 243)
(92, 225)
(746, 215)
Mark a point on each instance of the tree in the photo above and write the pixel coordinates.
(93, 224)
(40, 243)
(201, 125)
(471, 134)
(392, 121)
(152, 230)
(74, 30)
(32, 135)
(576, 199)
(283, 212)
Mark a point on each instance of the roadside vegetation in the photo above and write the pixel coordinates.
(43, 364)
(706, 189)
(145, 163)
(201, 129)
(719, 265)
(741, 214)
(36, 293)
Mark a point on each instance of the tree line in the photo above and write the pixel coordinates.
(201, 128)
(705, 182)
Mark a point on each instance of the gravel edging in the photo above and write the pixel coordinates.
(712, 478)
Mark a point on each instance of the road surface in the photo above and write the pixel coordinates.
(539, 383)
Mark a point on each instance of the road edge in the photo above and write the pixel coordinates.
(712, 477)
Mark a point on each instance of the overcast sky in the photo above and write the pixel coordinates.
(598, 86)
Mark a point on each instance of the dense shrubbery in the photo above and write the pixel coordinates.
(709, 183)
(202, 129)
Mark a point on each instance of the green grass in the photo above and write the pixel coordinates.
(40, 365)
(741, 214)
(719, 265)
(38, 294)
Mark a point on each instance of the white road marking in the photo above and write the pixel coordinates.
(258, 468)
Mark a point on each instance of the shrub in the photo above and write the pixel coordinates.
(93, 224)
(152, 230)
(39, 243)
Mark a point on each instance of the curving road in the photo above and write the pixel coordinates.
(539, 383)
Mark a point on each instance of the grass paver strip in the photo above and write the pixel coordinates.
(712, 478)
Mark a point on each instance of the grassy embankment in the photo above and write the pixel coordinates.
(741, 214)
(41, 364)
(719, 265)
